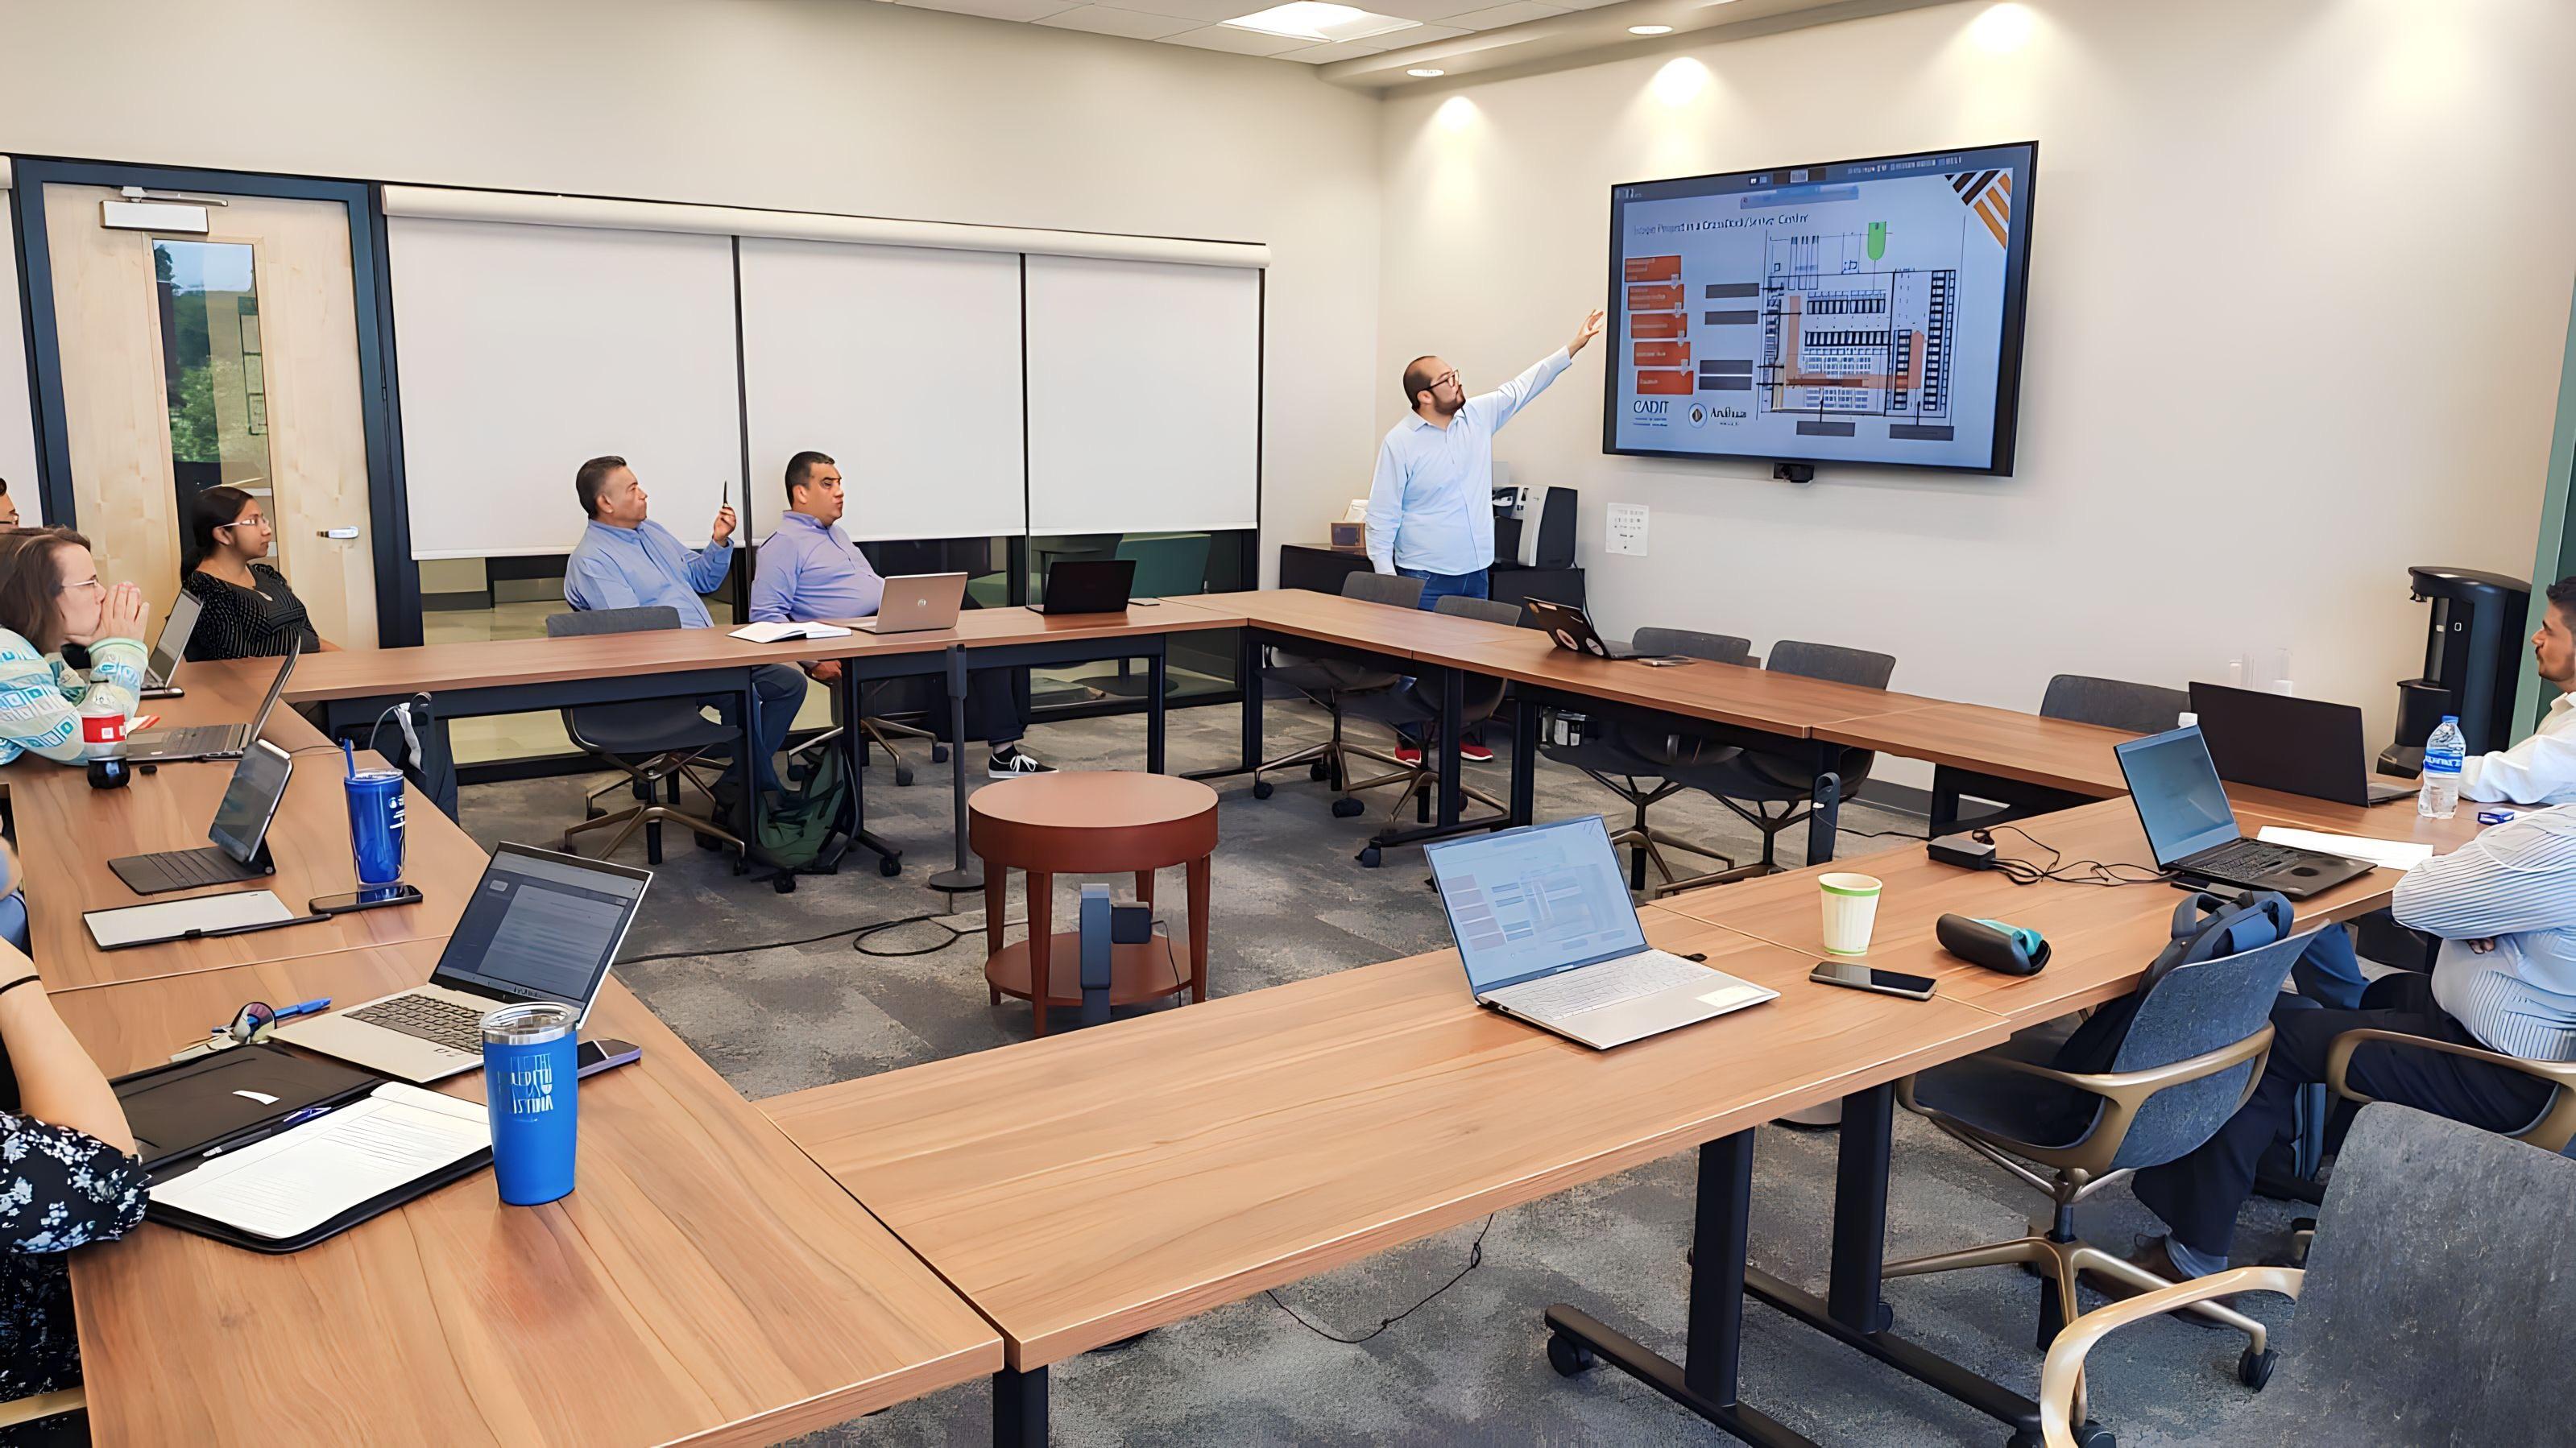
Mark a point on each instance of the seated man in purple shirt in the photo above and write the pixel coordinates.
(809, 569)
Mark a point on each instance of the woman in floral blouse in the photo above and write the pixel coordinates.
(68, 1177)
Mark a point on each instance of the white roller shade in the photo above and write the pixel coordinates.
(903, 365)
(1144, 396)
(525, 349)
(17, 407)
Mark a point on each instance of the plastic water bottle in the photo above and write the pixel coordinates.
(2442, 756)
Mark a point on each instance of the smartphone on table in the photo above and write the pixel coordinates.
(1864, 977)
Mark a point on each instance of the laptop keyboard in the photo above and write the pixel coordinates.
(1606, 984)
(436, 1021)
(2246, 858)
(193, 739)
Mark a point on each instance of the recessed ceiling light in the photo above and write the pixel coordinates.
(1650, 30)
(1426, 72)
(1320, 22)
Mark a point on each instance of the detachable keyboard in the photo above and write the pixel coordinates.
(441, 1023)
(180, 870)
(1606, 984)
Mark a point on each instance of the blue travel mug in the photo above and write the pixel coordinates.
(376, 824)
(529, 1060)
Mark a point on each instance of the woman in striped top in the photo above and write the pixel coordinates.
(2504, 905)
(249, 613)
(50, 595)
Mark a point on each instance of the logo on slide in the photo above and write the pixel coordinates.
(1698, 415)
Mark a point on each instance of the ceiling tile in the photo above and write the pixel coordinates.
(1501, 15)
(1241, 42)
(1109, 20)
(1424, 9)
(996, 9)
(1393, 40)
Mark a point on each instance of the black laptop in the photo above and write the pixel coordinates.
(240, 832)
(2297, 746)
(1088, 585)
(212, 741)
(2192, 828)
(1572, 629)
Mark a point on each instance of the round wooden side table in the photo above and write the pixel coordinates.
(1090, 822)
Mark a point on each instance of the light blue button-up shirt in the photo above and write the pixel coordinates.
(808, 571)
(644, 567)
(2516, 886)
(1431, 505)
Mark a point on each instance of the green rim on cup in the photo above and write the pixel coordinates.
(1847, 885)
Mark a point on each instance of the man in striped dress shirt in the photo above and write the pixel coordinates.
(2505, 981)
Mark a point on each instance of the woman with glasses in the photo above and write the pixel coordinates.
(69, 1177)
(250, 613)
(51, 596)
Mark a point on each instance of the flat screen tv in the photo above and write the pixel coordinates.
(1844, 312)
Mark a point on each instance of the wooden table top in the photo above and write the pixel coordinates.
(2101, 939)
(2058, 753)
(1081, 1188)
(705, 1283)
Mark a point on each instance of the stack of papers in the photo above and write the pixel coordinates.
(2387, 854)
(302, 1177)
(770, 633)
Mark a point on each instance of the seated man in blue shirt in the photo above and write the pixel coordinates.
(624, 560)
(809, 569)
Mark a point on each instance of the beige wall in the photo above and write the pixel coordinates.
(828, 105)
(2299, 297)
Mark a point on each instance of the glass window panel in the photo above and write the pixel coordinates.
(211, 365)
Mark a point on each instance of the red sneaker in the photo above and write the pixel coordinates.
(1474, 753)
(1409, 755)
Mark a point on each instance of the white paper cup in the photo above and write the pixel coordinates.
(1851, 908)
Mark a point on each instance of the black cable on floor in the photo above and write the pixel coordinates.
(955, 933)
(1475, 1259)
(1880, 834)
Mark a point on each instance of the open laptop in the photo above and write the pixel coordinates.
(2192, 828)
(918, 601)
(1545, 928)
(240, 832)
(2297, 746)
(212, 741)
(1572, 629)
(541, 927)
(160, 676)
(1087, 585)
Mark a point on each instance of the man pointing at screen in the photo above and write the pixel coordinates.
(1431, 505)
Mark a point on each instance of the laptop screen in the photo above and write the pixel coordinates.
(1526, 903)
(250, 801)
(175, 633)
(2176, 790)
(542, 925)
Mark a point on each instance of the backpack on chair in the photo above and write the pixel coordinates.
(2205, 927)
(793, 826)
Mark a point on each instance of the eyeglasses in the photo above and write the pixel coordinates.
(91, 583)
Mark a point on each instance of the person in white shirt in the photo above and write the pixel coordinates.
(1431, 503)
(2542, 768)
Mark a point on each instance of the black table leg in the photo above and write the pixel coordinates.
(1860, 1209)
(1155, 713)
(965, 875)
(1453, 722)
(1945, 801)
(1249, 664)
(1020, 1408)
(854, 758)
(1525, 712)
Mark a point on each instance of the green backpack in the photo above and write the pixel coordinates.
(795, 824)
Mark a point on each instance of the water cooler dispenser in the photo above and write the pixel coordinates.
(2473, 663)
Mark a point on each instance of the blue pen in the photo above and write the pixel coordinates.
(312, 1007)
(307, 1114)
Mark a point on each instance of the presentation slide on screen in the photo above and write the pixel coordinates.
(1851, 312)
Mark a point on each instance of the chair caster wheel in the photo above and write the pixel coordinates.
(889, 866)
(939, 754)
(1263, 789)
(1344, 809)
(2088, 1435)
(783, 884)
(1319, 771)
(1571, 1359)
(2254, 1369)
(567, 846)
(1369, 858)
(903, 776)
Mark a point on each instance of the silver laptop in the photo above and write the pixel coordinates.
(160, 676)
(212, 741)
(541, 927)
(1544, 926)
(914, 602)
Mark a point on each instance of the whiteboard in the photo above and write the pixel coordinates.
(900, 363)
(17, 410)
(1144, 396)
(524, 350)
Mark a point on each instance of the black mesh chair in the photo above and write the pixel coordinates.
(1749, 780)
(1334, 683)
(2432, 1310)
(2190, 1057)
(2113, 703)
(1614, 756)
(658, 743)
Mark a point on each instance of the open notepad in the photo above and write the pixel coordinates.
(173, 919)
(770, 633)
(304, 1176)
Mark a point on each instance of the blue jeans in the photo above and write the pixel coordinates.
(2328, 973)
(777, 690)
(1437, 586)
(13, 918)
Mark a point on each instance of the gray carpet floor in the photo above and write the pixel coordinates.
(1469, 1366)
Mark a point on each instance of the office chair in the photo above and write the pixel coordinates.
(2113, 703)
(1409, 709)
(658, 743)
(1333, 683)
(36, 1407)
(2191, 1056)
(1748, 779)
(1611, 757)
(2432, 1311)
(880, 730)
